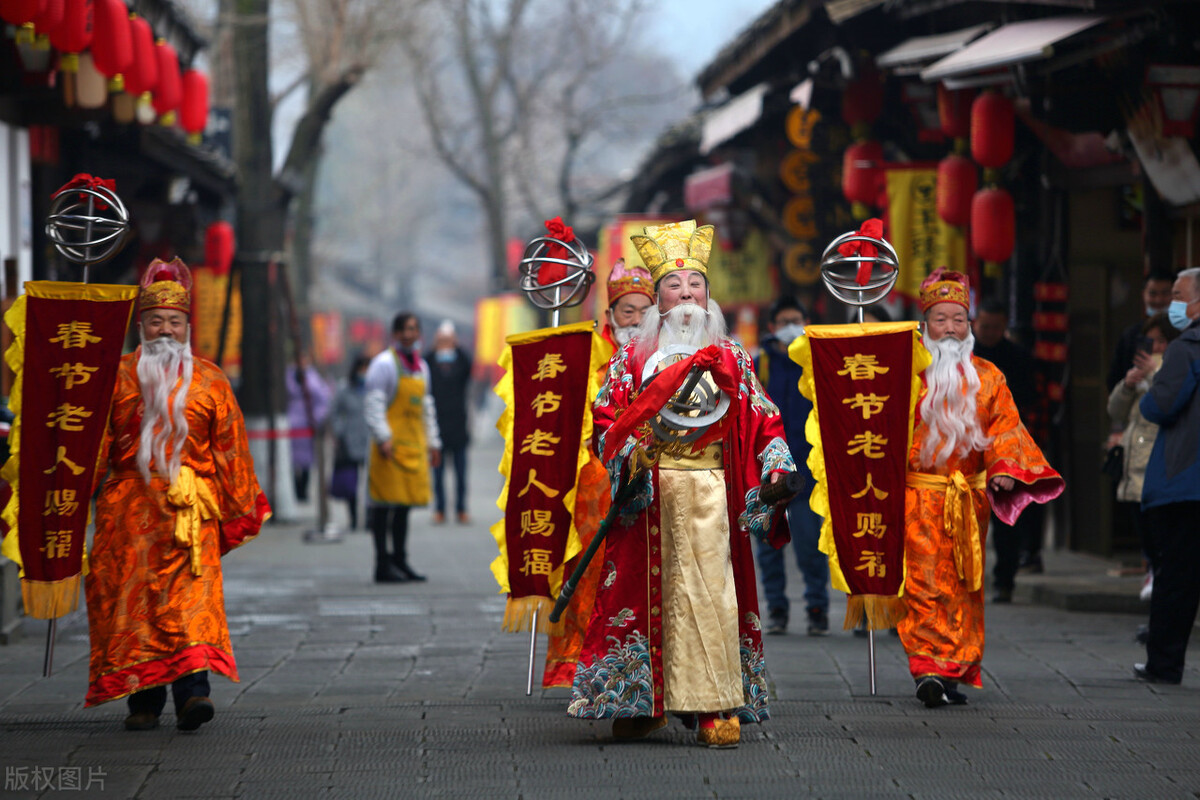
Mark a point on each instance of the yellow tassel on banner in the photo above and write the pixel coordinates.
(882, 611)
(518, 614)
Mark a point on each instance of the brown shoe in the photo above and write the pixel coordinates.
(141, 721)
(196, 711)
(629, 728)
(439, 518)
(725, 734)
(463, 519)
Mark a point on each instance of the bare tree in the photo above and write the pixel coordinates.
(512, 90)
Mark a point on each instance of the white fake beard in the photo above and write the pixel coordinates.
(622, 335)
(163, 362)
(946, 409)
(658, 330)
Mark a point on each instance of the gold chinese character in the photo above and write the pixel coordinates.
(862, 367)
(872, 563)
(533, 481)
(536, 562)
(536, 442)
(546, 403)
(867, 444)
(870, 524)
(880, 494)
(61, 502)
(549, 367)
(75, 334)
(58, 544)
(74, 373)
(61, 458)
(870, 404)
(67, 417)
(536, 522)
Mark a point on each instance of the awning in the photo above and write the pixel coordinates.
(729, 120)
(909, 56)
(984, 60)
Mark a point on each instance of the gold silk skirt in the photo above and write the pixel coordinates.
(702, 668)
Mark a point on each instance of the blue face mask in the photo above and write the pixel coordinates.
(1177, 314)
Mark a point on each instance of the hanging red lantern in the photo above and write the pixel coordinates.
(954, 111)
(862, 102)
(112, 44)
(992, 129)
(169, 92)
(993, 224)
(957, 180)
(219, 246)
(861, 172)
(142, 77)
(193, 114)
(20, 12)
(73, 35)
(49, 17)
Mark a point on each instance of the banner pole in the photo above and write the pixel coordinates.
(532, 649)
(48, 661)
(871, 647)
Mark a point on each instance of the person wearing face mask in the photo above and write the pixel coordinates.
(405, 442)
(450, 381)
(969, 454)
(1171, 489)
(780, 376)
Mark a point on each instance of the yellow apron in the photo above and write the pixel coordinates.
(403, 480)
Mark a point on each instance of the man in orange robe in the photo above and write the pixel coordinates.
(969, 453)
(179, 494)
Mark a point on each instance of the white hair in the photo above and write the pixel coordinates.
(1194, 274)
(658, 330)
(163, 362)
(949, 411)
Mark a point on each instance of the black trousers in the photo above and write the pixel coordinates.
(155, 700)
(1010, 540)
(393, 519)
(1173, 605)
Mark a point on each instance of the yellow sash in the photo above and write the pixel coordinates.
(403, 480)
(193, 501)
(959, 518)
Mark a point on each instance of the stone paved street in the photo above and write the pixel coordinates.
(355, 690)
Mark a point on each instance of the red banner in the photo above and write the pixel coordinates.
(550, 381)
(862, 386)
(72, 336)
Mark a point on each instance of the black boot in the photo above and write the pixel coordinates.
(400, 544)
(385, 570)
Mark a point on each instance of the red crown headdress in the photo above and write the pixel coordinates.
(945, 286)
(166, 284)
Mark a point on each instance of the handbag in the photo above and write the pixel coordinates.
(1114, 462)
(344, 483)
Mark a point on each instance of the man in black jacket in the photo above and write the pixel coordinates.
(450, 379)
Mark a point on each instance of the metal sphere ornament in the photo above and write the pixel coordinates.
(87, 223)
(555, 273)
(695, 406)
(860, 267)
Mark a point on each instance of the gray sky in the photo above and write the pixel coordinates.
(696, 30)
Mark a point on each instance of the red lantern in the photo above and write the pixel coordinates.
(73, 35)
(112, 45)
(142, 77)
(219, 247)
(193, 115)
(862, 169)
(993, 224)
(954, 111)
(169, 92)
(862, 102)
(957, 180)
(20, 12)
(992, 129)
(49, 17)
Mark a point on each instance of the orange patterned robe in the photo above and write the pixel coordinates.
(943, 631)
(151, 618)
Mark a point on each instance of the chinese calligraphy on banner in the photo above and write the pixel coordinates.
(864, 382)
(548, 389)
(68, 339)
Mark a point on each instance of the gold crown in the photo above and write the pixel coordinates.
(944, 286)
(166, 294)
(675, 246)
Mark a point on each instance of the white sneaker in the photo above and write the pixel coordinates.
(1147, 586)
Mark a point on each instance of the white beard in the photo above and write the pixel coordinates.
(622, 335)
(163, 362)
(948, 411)
(657, 330)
